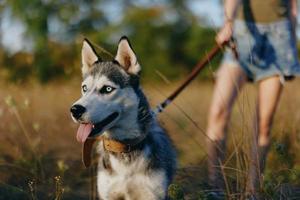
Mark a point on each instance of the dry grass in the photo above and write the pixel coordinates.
(40, 157)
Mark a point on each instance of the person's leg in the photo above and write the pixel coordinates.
(268, 97)
(229, 80)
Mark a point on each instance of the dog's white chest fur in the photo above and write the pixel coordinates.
(131, 180)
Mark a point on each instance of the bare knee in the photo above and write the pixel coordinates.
(218, 119)
(219, 115)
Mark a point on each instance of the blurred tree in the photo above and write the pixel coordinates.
(2, 51)
(74, 16)
(180, 31)
(166, 36)
(1, 11)
(34, 14)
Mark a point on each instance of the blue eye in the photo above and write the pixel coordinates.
(106, 89)
(84, 88)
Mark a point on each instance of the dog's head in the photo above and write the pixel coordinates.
(109, 92)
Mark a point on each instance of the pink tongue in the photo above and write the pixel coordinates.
(83, 132)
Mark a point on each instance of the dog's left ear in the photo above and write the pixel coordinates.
(89, 56)
(126, 57)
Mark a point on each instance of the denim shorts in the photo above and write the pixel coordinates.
(264, 50)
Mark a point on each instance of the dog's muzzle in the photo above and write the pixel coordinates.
(89, 129)
(98, 127)
(77, 111)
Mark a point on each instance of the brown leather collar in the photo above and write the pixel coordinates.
(109, 145)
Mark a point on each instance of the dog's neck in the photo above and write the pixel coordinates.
(123, 132)
(135, 125)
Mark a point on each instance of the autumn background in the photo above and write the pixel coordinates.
(40, 78)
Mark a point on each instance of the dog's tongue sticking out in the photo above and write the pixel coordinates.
(83, 132)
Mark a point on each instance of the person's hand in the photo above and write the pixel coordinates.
(225, 34)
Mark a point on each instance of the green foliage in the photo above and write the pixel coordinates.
(18, 66)
(175, 192)
(166, 37)
(283, 170)
(36, 16)
(12, 193)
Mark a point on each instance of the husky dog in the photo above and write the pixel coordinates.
(136, 158)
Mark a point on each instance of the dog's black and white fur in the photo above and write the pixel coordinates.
(113, 87)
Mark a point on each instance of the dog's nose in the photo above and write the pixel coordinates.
(77, 111)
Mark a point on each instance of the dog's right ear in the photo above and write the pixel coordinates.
(127, 58)
(89, 56)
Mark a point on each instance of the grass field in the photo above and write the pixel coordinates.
(41, 159)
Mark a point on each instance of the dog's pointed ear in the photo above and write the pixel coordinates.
(126, 57)
(88, 56)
